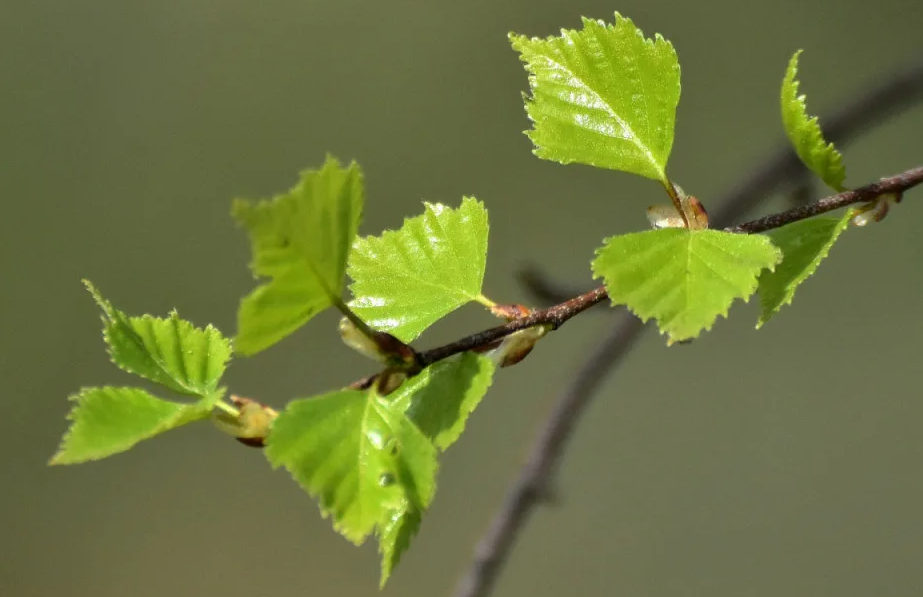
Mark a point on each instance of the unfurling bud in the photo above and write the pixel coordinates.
(695, 211)
(389, 380)
(876, 210)
(251, 425)
(670, 216)
(517, 345)
(664, 216)
(380, 346)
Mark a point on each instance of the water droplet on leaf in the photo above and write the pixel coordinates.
(386, 479)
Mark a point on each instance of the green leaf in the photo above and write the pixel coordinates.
(168, 351)
(370, 460)
(604, 96)
(407, 279)
(109, 420)
(804, 245)
(682, 278)
(804, 132)
(395, 535)
(301, 240)
(442, 396)
(439, 401)
(368, 465)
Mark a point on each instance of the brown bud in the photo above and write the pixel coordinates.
(510, 312)
(380, 346)
(875, 211)
(667, 216)
(389, 380)
(696, 214)
(517, 346)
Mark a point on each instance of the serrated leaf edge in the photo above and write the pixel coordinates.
(113, 316)
(165, 426)
(517, 41)
(750, 292)
(838, 230)
(433, 210)
(834, 175)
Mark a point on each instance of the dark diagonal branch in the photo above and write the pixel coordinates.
(898, 92)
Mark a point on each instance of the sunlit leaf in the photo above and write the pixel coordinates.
(169, 351)
(804, 132)
(683, 279)
(604, 96)
(407, 279)
(301, 240)
(110, 420)
(804, 245)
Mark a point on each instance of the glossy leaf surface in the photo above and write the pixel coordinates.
(604, 96)
(407, 279)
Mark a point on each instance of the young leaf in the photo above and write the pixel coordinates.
(168, 351)
(441, 397)
(301, 240)
(110, 420)
(804, 245)
(371, 461)
(604, 96)
(368, 465)
(407, 279)
(395, 535)
(684, 279)
(438, 401)
(804, 132)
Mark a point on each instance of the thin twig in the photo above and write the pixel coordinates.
(892, 185)
(559, 314)
(897, 93)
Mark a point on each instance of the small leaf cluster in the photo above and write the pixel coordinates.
(604, 96)
(168, 351)
(368, 456)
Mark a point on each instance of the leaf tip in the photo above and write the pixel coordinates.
(103, 304)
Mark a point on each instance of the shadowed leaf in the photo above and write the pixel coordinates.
(301, 241)
(804, 132)
(683, 279)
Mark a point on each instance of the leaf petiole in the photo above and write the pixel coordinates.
(226, 408)
(485, 301)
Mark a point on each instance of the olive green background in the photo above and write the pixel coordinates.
(784, 462)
